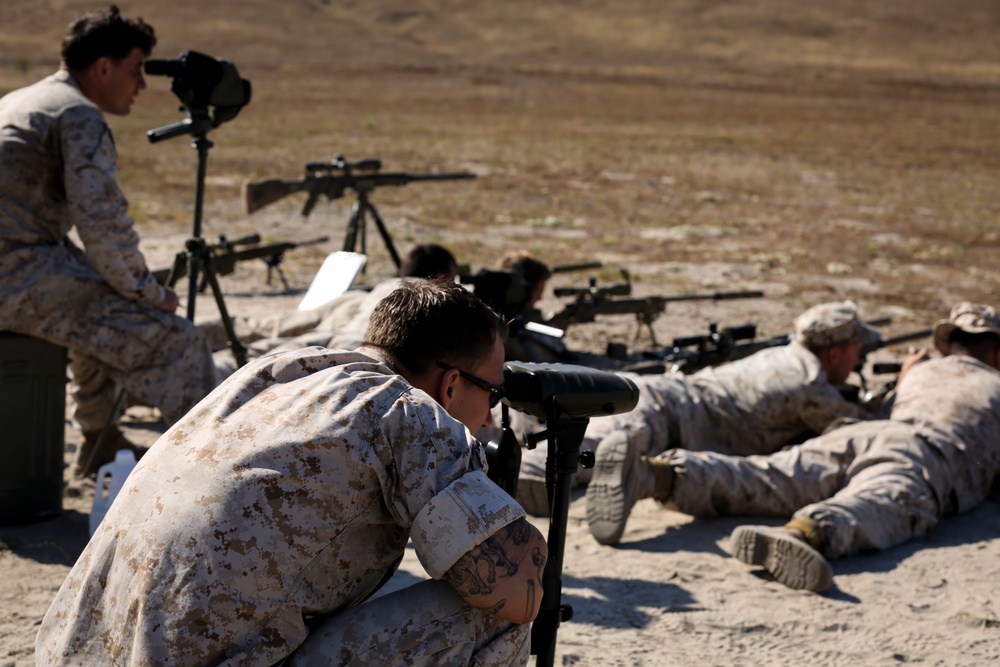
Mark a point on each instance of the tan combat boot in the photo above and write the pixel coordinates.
(790, 553)
(621, 478)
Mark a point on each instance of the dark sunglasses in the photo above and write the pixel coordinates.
(496, 393)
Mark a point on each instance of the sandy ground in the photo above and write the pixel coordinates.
(669, 594)
(814, 151)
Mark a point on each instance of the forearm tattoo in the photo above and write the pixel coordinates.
(479, 572)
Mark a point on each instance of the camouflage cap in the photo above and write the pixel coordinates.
(970, 318)
(833, 323)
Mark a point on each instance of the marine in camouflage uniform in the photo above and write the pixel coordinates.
(58, 161)
(864, 486)
(255, 529)
(755, 405)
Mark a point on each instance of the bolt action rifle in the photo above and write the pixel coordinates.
(690, 354)
(592, 301)
(226, 256)
(332, 180)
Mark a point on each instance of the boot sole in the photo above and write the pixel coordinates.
(791, 561)
(608, 504)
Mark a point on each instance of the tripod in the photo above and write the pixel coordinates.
(196, 252)
(356, 225)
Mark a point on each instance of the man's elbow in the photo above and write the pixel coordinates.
(531, 587)
(503, 575)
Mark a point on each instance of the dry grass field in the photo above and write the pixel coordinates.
(816, 151)
(847, 150)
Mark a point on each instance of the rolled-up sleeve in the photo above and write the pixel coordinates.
(458, 519)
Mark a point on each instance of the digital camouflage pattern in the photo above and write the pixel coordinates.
(869, 485)
(755, 405)
(288, 494)
(58, 158)
(833, 323)
(974, 318)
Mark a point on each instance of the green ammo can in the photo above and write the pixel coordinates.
(32, 423)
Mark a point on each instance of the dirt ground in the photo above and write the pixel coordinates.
(813, 153)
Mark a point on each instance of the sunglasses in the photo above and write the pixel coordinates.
(496, 393)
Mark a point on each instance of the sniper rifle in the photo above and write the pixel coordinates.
(689, 354)
(225, 256)
(332, 180)
(593, 301)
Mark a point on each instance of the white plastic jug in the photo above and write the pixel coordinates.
(110, 478)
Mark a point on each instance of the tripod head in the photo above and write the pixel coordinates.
(211, 91)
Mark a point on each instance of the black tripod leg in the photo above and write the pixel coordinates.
(178, 270)
(568, 436)
(385, 235)
(351, 236)
(239, 350)
(194, 264)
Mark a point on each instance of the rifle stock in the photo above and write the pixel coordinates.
(258, 194)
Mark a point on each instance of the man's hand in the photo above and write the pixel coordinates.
(914, 356)
(170, 301)
(503, 574)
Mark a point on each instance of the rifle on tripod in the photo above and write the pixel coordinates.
(226, 256)
(592, 301)
(566, 397)
(332, 180)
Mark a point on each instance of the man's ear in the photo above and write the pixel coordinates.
(446, 388)
(828, 356)
(101, 67)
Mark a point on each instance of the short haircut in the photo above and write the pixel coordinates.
(428, 260)
(104, 33)
(977, 345)
(532, 270)
(426, 321)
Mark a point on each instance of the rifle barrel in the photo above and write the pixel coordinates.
(717, 296)
(583, 266)
(901, 338)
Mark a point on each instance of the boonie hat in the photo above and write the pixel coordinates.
(971, 318)
(833, 323)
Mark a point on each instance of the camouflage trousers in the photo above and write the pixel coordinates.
(424, 624)
(158, 358)
(651, 427)
(870, 485)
